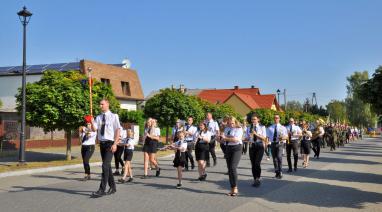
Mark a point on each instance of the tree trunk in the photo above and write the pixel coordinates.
(167, 132)
(68, 144)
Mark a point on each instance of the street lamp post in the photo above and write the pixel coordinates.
(278, 96)
(24, 16)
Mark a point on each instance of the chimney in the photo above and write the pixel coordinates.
(236, 87)
(252, 86)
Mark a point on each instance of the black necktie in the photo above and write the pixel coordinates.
(275, 134)
(84, 138)
(188, 127)
(103, 125)
(254, 136)
(290, 136)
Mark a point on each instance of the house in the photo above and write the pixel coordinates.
(124, 82)
(243, 100)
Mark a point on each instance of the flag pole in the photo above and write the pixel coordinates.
(90, 90)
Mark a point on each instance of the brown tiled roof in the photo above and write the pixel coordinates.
(116, 75)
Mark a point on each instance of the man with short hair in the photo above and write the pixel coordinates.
(189, 131)
(213, 128)
(277, 134)
(294, 135)
(108, 127)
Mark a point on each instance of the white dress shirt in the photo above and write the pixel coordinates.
(281, 132)
(111, 125)
(131, 142)
(234, 133)
(296, 131)
(213, 127)
(182, 145)
(90, 139)
(260, 130)
(192, 129)
(204, 135)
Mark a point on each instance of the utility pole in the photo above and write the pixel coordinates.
(285, 100)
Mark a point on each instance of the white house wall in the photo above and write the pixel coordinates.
(128, 105)
(8, 89)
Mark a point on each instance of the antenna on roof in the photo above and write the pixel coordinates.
(126, 63)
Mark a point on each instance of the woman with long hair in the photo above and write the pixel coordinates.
(305, 144)
(150, 146)
(203, 137)
(233, 135)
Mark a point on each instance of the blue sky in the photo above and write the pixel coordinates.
(301, 45)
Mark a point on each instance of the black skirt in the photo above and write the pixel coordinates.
(201, 151)
(180, 159)
(305, 147)
(128, 154)
(150, 146)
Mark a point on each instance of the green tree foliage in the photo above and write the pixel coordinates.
(219, 111)
(371, 91)
(1, 104)
(359, 113)
(267, 115)
(337, 111)
(170, 105)
(60, 100)
(294, 106)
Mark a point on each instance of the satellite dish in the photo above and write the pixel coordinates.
(126, 63)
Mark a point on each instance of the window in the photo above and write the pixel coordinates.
(105, 81)
(126, 88)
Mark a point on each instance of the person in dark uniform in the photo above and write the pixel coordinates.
(108, 127)
(317, 138)
(305, 144)
(118, 154)
(256, 137)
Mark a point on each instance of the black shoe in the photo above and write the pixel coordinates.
(111, 191)
(290, 170)
(215, 162)
(186, 169)
(130, 180)
(295, 169)
(192, 167)
(208, 165)
(157, 173)
(144, 177)
(98, 193)
(205, 176)
(256, 183)
(122, 180)
(116, 173)
(179, 186)
(280, 175)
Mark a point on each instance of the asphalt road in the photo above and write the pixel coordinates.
(347, 179)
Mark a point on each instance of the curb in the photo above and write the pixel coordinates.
(42, 170)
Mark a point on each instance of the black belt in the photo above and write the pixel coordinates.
(106, 141)
(189, 141)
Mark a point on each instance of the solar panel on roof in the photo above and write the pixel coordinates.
(55, 66)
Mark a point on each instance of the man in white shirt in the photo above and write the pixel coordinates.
(294, 136)
(108, 127)
(213, 128)
(277, 134)
(189, 131)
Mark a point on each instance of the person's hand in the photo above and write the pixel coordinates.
(114, 148)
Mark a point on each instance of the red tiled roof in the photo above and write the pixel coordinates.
(250, 96)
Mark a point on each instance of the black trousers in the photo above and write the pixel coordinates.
(233, 156)
(222, 147)
(118, 157)
(245, 148)
(256, 152)
(293, 145)
(316, 147)
(189, 156)
(277, 156)
(86, 153)
(211, 150)
(107, 174)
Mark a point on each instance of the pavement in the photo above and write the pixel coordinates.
(344, 180)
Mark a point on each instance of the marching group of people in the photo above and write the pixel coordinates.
(234, 138)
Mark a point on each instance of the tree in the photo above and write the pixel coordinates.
(170, 105)
(60, 100)
(359, 113)
(371, 91)
(136, 117)
(337, 111)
